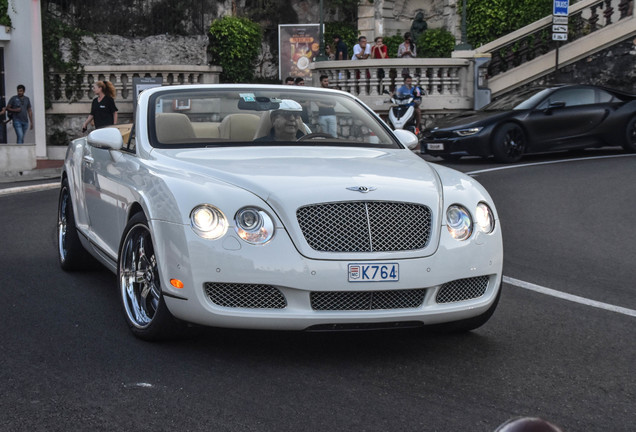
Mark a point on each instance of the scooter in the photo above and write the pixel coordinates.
(402, 112)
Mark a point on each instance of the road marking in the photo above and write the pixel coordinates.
(32, 188)
(569, 297)
(548, 163)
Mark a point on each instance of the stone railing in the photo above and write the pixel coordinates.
(528, 43)
(448, 82)
(68, 103)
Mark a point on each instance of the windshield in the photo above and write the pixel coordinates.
(522, 100)
(222, 116)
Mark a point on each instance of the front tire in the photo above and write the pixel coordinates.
(509, 143)
(630, 136)
(138, 273)
(70, 252)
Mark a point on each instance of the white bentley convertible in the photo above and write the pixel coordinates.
(276, 207)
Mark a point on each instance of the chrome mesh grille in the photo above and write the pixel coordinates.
(367, 300)
(365, 226)
(462, 289)
(251, 296)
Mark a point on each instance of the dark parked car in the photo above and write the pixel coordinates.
(562, 117)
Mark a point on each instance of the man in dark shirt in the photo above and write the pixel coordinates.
(341, 48)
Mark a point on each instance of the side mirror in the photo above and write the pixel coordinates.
(408, 139)
(554, 105)
(106, 138)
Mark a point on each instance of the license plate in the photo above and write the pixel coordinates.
(378, 272)
(435, 146)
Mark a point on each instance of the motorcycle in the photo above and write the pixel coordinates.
(402, 112)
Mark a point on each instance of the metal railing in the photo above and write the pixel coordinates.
(534, 40)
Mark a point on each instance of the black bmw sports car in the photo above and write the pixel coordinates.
(562, 117)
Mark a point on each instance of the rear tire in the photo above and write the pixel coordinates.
(630, 136)
(138, 273)
(509, 143)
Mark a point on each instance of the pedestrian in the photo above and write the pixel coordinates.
(407, 48)
(408, 89)
(379, 50)
(327, 112)
(341, 48)
(103, 109)
(299, 81)
(361, 51)
(289, 81)
(19, 109)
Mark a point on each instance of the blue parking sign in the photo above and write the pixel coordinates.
(560, 7)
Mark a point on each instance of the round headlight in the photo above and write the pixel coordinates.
(254, 225)
(484, 218)
(459, 222)
(208, 222)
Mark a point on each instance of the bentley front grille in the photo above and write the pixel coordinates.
(365, 226)
(367, 300)
(251, 296)
(462, 289)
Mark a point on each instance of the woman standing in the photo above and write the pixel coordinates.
(103, 109)
(379, 50)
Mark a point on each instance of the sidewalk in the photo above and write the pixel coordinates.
(45, 169)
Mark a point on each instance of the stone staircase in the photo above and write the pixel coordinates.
(530, 53)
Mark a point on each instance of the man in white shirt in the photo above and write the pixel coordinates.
(362, 50)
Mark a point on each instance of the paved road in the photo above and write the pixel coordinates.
(70, 364)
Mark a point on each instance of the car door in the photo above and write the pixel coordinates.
(102, 195)
(566, 118)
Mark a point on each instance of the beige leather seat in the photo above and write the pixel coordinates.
(173, 127)
(239, 127)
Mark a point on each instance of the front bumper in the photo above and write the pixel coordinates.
(258, 272)
(475, 145)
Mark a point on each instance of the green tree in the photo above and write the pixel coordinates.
(5, 19)
(234, 45)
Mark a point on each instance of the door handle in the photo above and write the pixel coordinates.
(89, 159)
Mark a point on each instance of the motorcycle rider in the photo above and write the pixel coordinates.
(416, 92)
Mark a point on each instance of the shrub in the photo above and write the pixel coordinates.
(234, 45)
(435, 43)
(393, 43)
(489, 19)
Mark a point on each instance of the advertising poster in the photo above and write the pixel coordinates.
(298, 45)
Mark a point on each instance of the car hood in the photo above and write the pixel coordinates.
(288, 178)
(469, 118)
(295, 176)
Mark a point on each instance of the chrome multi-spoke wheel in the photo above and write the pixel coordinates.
(139, 282)
(509, 143)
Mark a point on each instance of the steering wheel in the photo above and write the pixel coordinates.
(314, 135)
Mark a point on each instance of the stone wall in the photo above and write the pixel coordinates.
(153, 50)
(613, 67)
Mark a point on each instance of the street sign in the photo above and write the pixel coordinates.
(559, 20)
(557, 28)
(559, 36)
(560, 7)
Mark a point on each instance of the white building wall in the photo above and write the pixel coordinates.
(23, 65)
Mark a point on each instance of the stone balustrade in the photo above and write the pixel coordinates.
(447, 82)
(66, 102)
